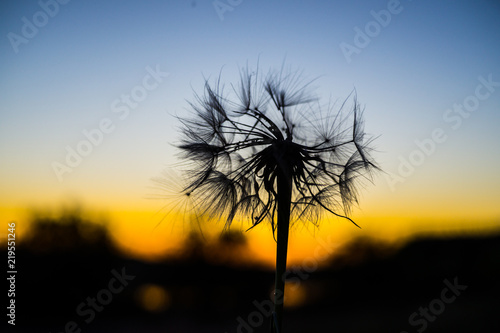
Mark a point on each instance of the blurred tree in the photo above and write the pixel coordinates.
(69, 231)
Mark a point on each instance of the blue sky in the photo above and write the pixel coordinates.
(66, 77)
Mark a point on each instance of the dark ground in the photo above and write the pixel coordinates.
(374, 290)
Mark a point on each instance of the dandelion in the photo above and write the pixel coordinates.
(268, 150)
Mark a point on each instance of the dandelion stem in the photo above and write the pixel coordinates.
(284, 181)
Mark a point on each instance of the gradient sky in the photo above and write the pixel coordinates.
(411, 74)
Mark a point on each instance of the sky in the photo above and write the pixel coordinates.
(91, 91)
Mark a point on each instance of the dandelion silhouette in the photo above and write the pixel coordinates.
(271, 152)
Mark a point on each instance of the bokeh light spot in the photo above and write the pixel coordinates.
(295, 294)
(153, 298)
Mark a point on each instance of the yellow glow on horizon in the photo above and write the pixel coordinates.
(307, 245)
(147, 235)
(17, 215)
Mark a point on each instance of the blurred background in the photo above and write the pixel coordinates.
(91, 92)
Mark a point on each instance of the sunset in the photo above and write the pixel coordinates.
(97, 109)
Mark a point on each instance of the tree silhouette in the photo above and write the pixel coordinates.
(271, 152)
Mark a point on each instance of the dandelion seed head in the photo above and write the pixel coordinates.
(237, 143)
